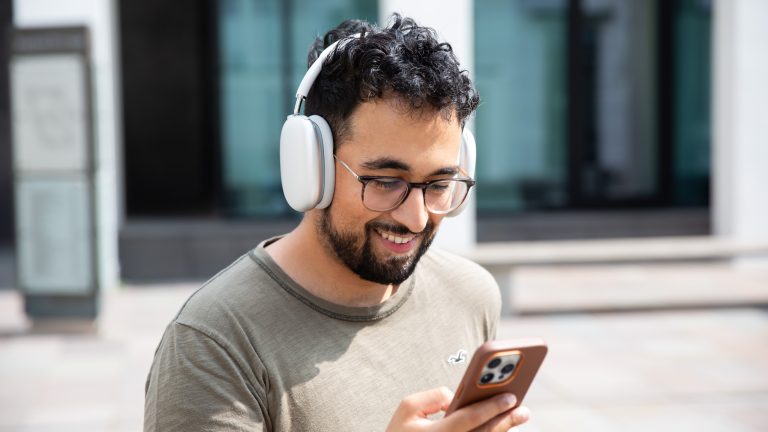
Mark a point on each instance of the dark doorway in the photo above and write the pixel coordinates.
(169, 106)
(638, 85)
(6, 166)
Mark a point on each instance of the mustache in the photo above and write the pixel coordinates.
(399, 229)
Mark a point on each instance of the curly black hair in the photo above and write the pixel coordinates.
(404, 59)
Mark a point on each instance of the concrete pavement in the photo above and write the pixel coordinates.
(660, 369)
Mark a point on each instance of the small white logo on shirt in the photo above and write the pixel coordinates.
(459, 358)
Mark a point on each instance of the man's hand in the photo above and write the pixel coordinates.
(494, 414)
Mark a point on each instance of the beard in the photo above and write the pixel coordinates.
(356, 251)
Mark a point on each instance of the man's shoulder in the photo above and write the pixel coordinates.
(448, 264)
(466, 277)
(244, 288)
(458, 287)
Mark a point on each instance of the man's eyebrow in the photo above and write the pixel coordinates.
(386, 163)
(390, 163)
(445, 171)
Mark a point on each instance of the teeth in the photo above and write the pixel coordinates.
(394, 238)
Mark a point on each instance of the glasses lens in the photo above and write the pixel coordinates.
(384, 194)
(445, 195)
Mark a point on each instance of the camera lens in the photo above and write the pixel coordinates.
(493, 363)
(508, 368)
(485, 379)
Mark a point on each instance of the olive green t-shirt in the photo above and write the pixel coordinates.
(252, 350)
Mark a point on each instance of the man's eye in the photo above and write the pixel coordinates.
(386, 184)
(442, 186)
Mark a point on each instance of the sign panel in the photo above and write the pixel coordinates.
(49, 113)
(54, 230)
(53, 171)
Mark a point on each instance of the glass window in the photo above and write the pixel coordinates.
(262, 53)
(692, 78)
(520, 124)
(592, 103)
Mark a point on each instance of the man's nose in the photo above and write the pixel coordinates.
(412, 212)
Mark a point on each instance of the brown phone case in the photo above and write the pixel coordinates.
(500, 366)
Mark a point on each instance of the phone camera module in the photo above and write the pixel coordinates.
(485, 379)
(493, 363)
(508, 368)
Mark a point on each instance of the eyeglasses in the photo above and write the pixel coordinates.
(381, 193)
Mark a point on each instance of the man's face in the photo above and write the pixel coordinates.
(386, 140)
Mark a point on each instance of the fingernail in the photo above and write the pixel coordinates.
(510, 399)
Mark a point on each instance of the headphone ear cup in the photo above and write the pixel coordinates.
(467, 158)
(306, 157)
(323, 130)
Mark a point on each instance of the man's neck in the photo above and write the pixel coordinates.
(303, 257)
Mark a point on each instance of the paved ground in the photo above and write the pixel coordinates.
(702, 369)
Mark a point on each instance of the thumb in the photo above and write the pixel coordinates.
(426, 403)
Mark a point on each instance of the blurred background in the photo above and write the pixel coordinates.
(621, 200)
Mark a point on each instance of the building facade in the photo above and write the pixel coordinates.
(586, 104)
(596, 118)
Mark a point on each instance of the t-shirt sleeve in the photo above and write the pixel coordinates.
(196, 383)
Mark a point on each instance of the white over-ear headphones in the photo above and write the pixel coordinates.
(307, 167)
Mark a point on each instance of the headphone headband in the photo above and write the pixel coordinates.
(314, 71)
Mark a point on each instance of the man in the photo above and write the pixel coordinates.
(350, 322)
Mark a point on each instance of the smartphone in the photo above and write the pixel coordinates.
(500, 366)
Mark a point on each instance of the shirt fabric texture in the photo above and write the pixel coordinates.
(251, 350)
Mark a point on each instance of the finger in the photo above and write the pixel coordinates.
(426, 403)
(503, 422)
(477, 414)
(520, 415)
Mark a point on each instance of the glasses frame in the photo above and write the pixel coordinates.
(410, 186)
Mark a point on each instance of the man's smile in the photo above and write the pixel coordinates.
(397, 243)
(396, 238)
